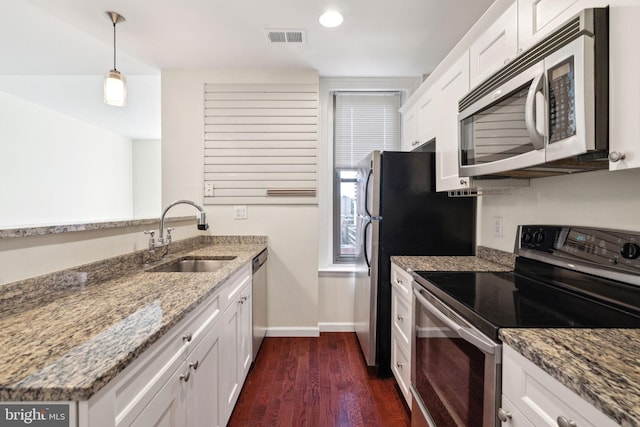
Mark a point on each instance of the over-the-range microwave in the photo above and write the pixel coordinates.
(545, 113)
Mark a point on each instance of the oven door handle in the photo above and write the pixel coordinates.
(469, 335)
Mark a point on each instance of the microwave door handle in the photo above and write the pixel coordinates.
(466, 334)
(537, 139)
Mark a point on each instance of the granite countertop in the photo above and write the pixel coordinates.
(69, 342)
(600, 365)
(487, 259)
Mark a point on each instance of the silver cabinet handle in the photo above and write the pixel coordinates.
(186, 377)
(399, 365)
(503, 415)
(463, 182)
(564, 422)
(616, 156)
(242, 300)
(400, 318)
(194, 365)
(188, 337)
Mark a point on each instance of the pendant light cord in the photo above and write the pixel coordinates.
(114, 46)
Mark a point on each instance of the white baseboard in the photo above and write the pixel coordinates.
(336, 327)
(310, 331)
(293, 332)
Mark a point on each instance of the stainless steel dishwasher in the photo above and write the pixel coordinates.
(259, 289)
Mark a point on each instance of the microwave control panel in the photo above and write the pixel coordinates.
(562, 102)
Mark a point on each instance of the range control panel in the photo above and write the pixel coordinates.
(610, 248)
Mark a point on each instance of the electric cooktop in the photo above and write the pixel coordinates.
(565, 277)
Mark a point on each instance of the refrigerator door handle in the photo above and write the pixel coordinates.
(364, 247)
(366, 193)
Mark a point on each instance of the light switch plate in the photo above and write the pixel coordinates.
(208, 189)
(497, 226)
(240, 212)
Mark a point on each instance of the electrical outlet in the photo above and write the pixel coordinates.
(240, 212)
(497, 226)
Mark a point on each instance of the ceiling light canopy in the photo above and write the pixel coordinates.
(331, 19)
(115, 84)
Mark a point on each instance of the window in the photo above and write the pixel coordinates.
(363, 122)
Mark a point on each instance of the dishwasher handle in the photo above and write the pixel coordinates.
(259, 260)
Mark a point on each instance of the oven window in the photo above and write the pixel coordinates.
(449, 374)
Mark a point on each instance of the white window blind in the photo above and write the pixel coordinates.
(261, 143)
(363, 122)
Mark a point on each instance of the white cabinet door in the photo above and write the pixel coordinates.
(495, 47)
(543, 399)
(428, 117)
(246, 332)
(231, 362)
(409, 129)
(538, 18)
(167, 408)
(202, 388)
(451, 87)
(624, 86)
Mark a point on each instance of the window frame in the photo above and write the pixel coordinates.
(336, 241)
(329, 85)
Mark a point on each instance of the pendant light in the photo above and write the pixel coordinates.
(115, 84)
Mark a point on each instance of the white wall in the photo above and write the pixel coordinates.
(57, 169)
(600, 199)
(147, 178)
(292, 230)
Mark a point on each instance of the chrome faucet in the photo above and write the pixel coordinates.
(161, 242)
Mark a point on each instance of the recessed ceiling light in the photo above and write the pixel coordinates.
(331, 18)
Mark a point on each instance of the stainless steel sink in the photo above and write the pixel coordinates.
(193, 265)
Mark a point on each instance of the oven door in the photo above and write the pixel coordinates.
(455, 372)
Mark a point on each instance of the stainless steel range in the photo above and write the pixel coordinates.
(565, 277)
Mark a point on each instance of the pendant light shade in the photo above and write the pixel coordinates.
(115, 84)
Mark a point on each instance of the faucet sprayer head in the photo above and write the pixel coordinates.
(202, 221)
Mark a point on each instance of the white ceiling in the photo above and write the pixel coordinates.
(55, 53)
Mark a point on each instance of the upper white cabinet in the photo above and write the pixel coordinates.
(495, 47)
(449, 89)
(538, 18)
(428, 116)
(624, 87)
(410, 129)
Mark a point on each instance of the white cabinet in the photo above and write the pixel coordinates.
(541, 398)
(539, 18)
(186, 377)
(495, 47)
(401, 315)
(236, 341)
(202, 403)
(624, 86)
(428, 116)
(452, 86)
(410, 129)
(167, 408)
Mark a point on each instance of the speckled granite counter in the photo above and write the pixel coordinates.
(486, 260)
(64, 336)
(600, 365)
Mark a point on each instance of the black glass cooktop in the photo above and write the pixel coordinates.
(546, 297)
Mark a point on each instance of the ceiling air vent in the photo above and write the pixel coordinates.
(287, 36)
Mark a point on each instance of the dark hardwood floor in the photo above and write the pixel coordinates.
(317, 382)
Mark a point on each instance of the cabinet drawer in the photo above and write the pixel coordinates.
(144, 378)
(541, 398)
(516, 418)
(401, 365)
(401, 280)
(231, 294)
(401, 315)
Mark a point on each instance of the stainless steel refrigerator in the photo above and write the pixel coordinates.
(400, 213)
